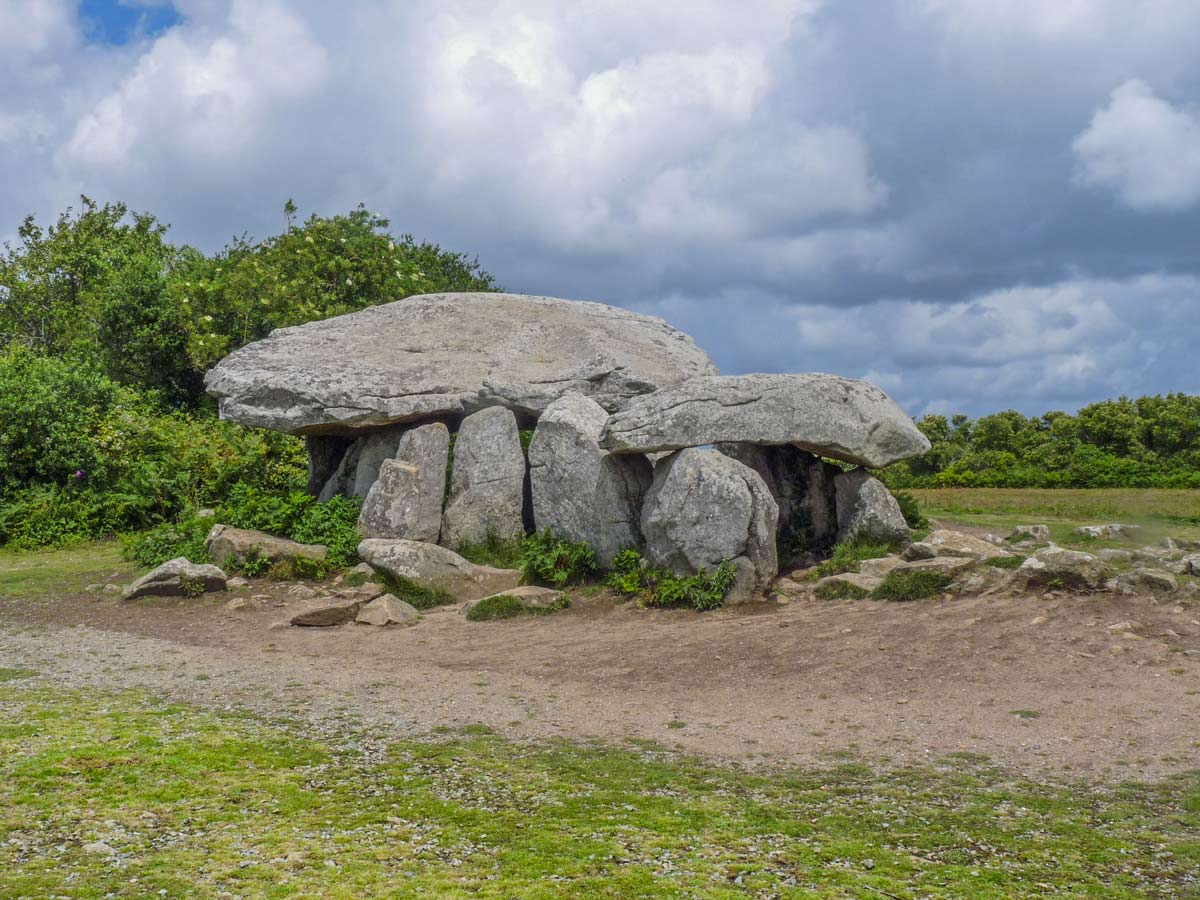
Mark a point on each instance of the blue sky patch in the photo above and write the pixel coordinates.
(118, 22)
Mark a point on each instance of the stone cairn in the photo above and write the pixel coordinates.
(637, 441)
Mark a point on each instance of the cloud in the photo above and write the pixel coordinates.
(919, 192)
(1143, 149)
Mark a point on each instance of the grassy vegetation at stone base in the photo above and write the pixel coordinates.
(847, 555)
(1161, 513)
(415, 595)
(506, 606)
(195, 803)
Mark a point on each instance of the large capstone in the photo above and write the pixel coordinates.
(487, 482)
(441, 355)
(406, 499)
(825, 414)
(703, 508)
(803, 487)
(581, 492)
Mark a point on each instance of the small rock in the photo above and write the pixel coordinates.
(176, 578)
(387, 610)
(1107, 531)
(787, 587)
(326, 616)
(530, 595)
(237, 581)
(302, 591)
(239, 603)
(94, 588)
(879, 567)
(1034, 532)
(111, 588)
(1130, 625)
(100, 848)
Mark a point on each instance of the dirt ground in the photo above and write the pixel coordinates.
(1047, 688)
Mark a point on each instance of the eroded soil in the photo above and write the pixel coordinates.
(1044, 687)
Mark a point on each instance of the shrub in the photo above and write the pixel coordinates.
(555, 561)
(334, 524)
(840, 590)
(911, 510)
(658, 587)
(911, 585)
(847, 555)
(148, 549)
(506, 606)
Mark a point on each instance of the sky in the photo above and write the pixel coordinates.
(977, 205)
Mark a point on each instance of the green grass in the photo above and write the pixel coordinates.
(494, 551)
(417, 596)
(847, 555)
(506, 606)
(1160, 512)
(69, 570)
(913, 585)
(840, 590)
(1004, 562)
(207, 805)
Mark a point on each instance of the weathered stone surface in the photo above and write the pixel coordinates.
(804, 490)
(227, 544)
(488, 481)
(879, 567)
(530, 595)
(947, 565)
(1154, 581)
(169, 579)
(406, 499)
(449, 354)
(377, 446)
(1191, 564)
(432, 566)
(943, 542)
(1108, 531)
(387, 610)
(1110, 555)
(825, 414)
(1031, 532)
(1055, 566)
(704, 507)
(580, 492)
(867, 510)
(856, 580)
(336, 613)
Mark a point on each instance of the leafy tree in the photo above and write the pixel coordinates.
(325, 267)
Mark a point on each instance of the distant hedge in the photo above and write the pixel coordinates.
(1147, 442)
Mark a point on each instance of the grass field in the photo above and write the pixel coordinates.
(119, 795)
(1161, 513)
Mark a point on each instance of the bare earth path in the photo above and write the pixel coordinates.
(1044, 687)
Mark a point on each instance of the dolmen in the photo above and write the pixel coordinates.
(462, 418)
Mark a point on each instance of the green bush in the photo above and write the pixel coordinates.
(555, 561)
(334, 524)
(298, 516)
(840, 590)
(911, 585)
(506, 606)
(147, 549)
(847, 555)
(911, 510)
(658, 587)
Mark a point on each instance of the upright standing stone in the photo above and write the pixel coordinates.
(325, 452)
(580, 492)
(803, 487)
(406, 499)
(341, 482)
(704, 507)
(867, 510)
(376, 447)
(487, 484)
